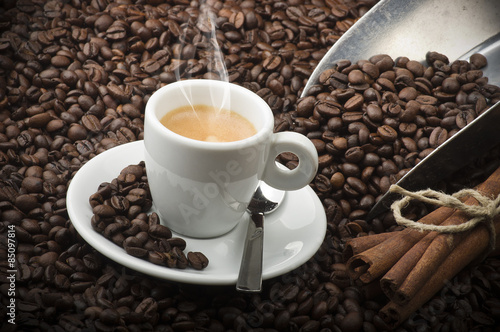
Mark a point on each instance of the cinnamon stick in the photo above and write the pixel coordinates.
(391, 281)
(396, 276)
(434, 249)
(462, 255)
(357, 245)
(374, 262)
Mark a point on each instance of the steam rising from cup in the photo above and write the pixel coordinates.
(209, 53)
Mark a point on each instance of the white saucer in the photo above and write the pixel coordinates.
(292, 234)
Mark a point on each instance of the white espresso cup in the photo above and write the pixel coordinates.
(201, 189)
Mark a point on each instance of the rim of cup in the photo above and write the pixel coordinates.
(264, 128)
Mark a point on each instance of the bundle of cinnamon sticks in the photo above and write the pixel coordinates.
(411, 266)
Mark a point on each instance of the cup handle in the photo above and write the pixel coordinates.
(283, 178)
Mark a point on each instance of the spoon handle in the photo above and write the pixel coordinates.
(250, 276)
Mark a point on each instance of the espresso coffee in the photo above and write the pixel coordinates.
(208, 123)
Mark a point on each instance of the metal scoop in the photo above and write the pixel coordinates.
(412, 28)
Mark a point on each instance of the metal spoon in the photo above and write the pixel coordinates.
(265, 200)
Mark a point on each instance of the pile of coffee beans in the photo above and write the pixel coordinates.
(120, 214)
(373, 120)
(74, 78)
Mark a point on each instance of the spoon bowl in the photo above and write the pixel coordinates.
(265, 200)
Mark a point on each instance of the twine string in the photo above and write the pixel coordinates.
(483, 213)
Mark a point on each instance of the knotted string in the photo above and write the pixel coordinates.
(482, 213)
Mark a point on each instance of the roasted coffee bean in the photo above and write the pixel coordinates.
(437, 137)
(374, 112)
(136, 170)
(305, 107)
(104, 211)
(39, 120)
(354, 103)
(322, 183)
(180, 257)
(136, 251)
(177, 242)
(91, 123)
(408, 129)
(137, 196)
(463, 118)
(197, 260)
(47, 259)
(387, 133)
(337, 180)
(153, 219)
(354, 154)
(119, 203)
(141, 225)
(478, 60)
(159, 232)
(156, 258)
